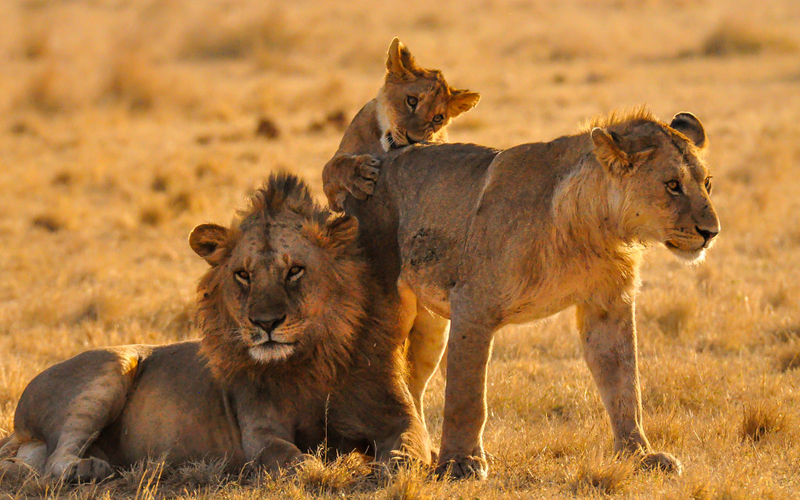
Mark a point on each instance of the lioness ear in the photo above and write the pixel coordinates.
(209, 241)
(609, 154)
(399, 61)
(461, 101)
(688, 125)
(340, 231)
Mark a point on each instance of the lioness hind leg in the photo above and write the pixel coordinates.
(609, 345)
(426, 344)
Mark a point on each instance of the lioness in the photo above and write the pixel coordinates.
(414, 105)
(292, 339)
(490, 238)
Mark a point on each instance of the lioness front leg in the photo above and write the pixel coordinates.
(354, 174)
(608, 335)
(468, 351)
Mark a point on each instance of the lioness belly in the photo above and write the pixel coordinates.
(175, 410)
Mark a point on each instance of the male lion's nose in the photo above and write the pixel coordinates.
(268, 323)
(707, 235)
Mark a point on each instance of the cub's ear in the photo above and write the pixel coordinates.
(461, 101)
(688, 125)
(340, 231)
(611, 156)
(210, 242)
(399, 61)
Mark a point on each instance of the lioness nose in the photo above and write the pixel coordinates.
(268, 323)
(706, 234)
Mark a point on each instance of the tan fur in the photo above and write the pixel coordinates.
(292, 339)
(389, 121)
(489, 238)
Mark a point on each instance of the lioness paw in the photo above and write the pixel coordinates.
(468, 467)
(662, 461)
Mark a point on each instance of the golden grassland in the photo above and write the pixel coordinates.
(124, 123)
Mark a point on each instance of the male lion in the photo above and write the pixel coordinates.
(414, 105)
(489, 238)
(292, 340)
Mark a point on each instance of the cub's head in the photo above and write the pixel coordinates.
(285, 288)
(416, 104)
(665, 183)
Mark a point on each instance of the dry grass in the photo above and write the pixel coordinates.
(124, 124)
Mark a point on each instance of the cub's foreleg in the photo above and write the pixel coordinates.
(353, 174)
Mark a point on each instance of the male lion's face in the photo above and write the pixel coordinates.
(666, 183)
(277, 281)
(416, 103)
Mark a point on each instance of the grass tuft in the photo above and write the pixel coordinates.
(760, 419)
(606, 478)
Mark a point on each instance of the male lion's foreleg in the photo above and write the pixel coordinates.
(468, 354)
(609, 345)
(426, 343)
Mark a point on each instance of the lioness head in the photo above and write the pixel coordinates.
(665, 183)
(284, 285)
(416, 104)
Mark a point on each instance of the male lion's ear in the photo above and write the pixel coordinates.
(399, 61)
(340, 231)
(209, 241)
(608, 152)
(461, 101)
(688, 125)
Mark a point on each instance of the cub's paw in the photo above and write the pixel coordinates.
(662, 461)
(468, 467)
(364, 176)
(86, 469)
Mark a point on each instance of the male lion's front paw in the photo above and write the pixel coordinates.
(364, 176)
(662, 461)
(467, 467)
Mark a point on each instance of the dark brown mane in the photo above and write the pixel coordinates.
(336, 330)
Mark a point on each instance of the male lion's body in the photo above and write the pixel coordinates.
(295, 349)
(489, 238)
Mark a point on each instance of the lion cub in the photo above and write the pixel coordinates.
(414, 105)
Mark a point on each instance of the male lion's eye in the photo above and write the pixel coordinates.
(412, 101)
(438, 118)
(708, 185)
(674, 187)
(242, 277)
(294, 273)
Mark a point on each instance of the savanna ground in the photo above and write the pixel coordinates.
(124, 123)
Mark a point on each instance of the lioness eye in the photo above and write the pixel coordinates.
(242, 276)
(412, 101)
(438, 118)
(674, 187)
(294, 273)
(708, 185)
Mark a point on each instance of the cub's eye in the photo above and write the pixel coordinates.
(412, 101)
(438, 118)
(708, 185)
(242, 277)
(674, 187)
(294, 273)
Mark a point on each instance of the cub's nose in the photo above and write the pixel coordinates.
(707, 235)
(268, 323)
